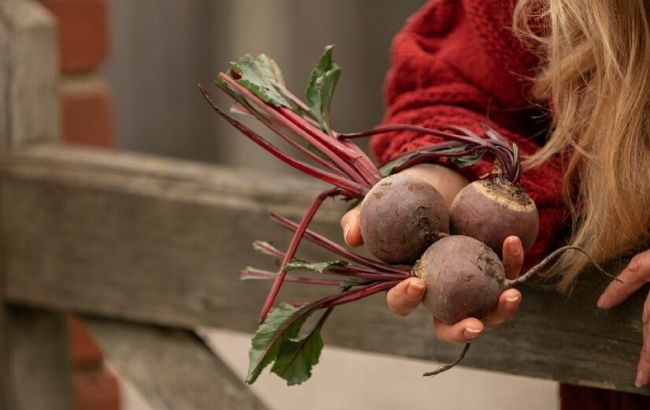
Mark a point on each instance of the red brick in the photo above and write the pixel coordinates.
(86, 112)
(83, 33)
(85, 353)
(97, 390)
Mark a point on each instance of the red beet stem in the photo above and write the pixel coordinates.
(347, 270)
(268, 249)
(330, 147)
(498, 146)
(338, 249)
(293, 247)
(356, 294)
(450, 365)
(426, 156)
(540, 266)
(346, 149)
(322, 162)
(351, 188)
(252, 273)
(363, 274)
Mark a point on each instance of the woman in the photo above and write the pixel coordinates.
(569, 82)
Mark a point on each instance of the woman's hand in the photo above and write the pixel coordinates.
(407, 295)
(635, 275)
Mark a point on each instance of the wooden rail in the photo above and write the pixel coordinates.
(160, 241)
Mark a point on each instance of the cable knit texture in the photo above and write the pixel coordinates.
(458, 63)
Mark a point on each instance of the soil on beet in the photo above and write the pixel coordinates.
(504, 188)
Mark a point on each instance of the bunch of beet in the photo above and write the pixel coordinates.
(405, 222)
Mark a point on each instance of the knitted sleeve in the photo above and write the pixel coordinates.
(458, 63)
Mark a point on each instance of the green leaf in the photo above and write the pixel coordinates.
(320, 89)
(282, 323)
(263, 78)
(468, 160)
(298, 356)
(269, 69)
(318, 267)
(387, 169)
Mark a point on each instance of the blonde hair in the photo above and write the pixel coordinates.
(595, 78)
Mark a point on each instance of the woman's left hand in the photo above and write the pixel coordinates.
(635, 275)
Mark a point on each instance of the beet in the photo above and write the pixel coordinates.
(492, 209)
(463, 277)
(401, 216)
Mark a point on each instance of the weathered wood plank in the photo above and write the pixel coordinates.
(29, 67)
(39, 360)
(34, 360)
(174, 369)
(163, 242)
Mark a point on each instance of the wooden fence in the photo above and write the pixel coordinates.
(147, 249)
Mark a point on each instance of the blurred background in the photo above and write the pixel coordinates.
(129, 73)
(160, 50)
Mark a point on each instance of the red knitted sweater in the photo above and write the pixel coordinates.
(458, 62)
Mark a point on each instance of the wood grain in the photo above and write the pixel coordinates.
(172, 368)
(29, 98)
(162, 241)
(34, 360)
(39, 360)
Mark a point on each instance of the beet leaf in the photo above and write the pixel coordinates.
(262, 77)
(467, 160)
(317, 267)
(298, 356)
(281, 324)
(320, 89)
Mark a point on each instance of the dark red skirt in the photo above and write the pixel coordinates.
(589, 398)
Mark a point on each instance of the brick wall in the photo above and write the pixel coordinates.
(86, 104)
(86, 118)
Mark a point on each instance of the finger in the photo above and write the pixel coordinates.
(634, 275)
(351, 227)
(508, 305)
(406, 296)
(513, 256)
(643, 368)
(465, 331)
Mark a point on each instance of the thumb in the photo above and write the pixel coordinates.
(406, 296)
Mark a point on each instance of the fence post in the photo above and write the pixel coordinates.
(34, 357)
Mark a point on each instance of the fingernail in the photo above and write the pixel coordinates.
(514, 249)
(513, 299)
(415, 289)
(346, 231)
(472, 332)
(601, 303)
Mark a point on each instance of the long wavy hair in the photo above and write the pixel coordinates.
(595, 77)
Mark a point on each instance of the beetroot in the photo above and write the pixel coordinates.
(492, 209)
(401, 216)
(463, 277)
